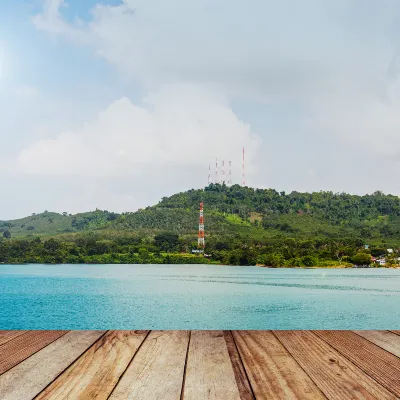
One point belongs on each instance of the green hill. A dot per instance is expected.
(243, 226)
(51, 224)
(267, 213)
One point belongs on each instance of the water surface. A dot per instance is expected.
(196, 297)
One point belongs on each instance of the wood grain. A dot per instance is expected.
(272, 371)
(209, 372)
(95, 374)
(23, 346)
(387, 340)
(381, 365)
(30, 377)
(241, 378)
(156, 371)
(6, 336)
(334, 374)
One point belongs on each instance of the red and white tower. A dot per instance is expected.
(200, 241)
(243, 174)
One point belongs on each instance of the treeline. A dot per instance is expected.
(170, 248)
(165, 248)
(335, 208)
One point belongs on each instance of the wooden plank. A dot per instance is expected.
(387, 340)
(209, 372)
(30, 377)
(156, 371)
(6, 336)
(381, 365)
(23, 346)
(272, 371)
(241, 378)
(335, 375)
(95, 374)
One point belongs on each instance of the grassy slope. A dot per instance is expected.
(51, 224)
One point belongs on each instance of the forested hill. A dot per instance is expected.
(267, 212)
(256, 213)
(334, 207)
(50, 223)
(243, 226)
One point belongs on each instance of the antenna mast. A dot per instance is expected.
(230, 173)
(216, 170)
(200, 241)
(209, 174)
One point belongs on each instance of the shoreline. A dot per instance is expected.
(215, 264)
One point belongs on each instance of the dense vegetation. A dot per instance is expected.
(244, 226)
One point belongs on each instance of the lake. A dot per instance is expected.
(196, 297)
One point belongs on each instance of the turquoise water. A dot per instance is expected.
(196, 297)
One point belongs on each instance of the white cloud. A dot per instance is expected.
(324, 55)
(267, 49)
(178, 126)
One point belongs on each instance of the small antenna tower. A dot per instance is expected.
(216, 170)
(230, 173)
(223, 172)
(243, 175)
(209, 174)
(200, 241)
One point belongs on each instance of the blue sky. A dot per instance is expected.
(115, 104)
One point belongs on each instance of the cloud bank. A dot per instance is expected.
(309, 88)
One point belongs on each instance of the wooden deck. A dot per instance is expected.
(197, 365)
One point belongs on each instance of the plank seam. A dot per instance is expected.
(184, 368)
(244, 368)
(9, 340)
(77, 358)
(37, 351)
(129, 364)
(395, 332)
(294, 358)
(357, 366)
(377, 344)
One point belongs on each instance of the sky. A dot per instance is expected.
(115, 104)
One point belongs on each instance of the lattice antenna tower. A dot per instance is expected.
(200, 241)
(216, 171)
(230, 173)
(223, 172)
(209, 174)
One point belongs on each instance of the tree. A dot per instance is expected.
(309, 261)
(7, 234)
(167, 241)
(64, 213)
(361, 259)
(52, 245)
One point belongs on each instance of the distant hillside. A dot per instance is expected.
(238, 211)
(267, 213)
(50, 223)
(244, 226)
